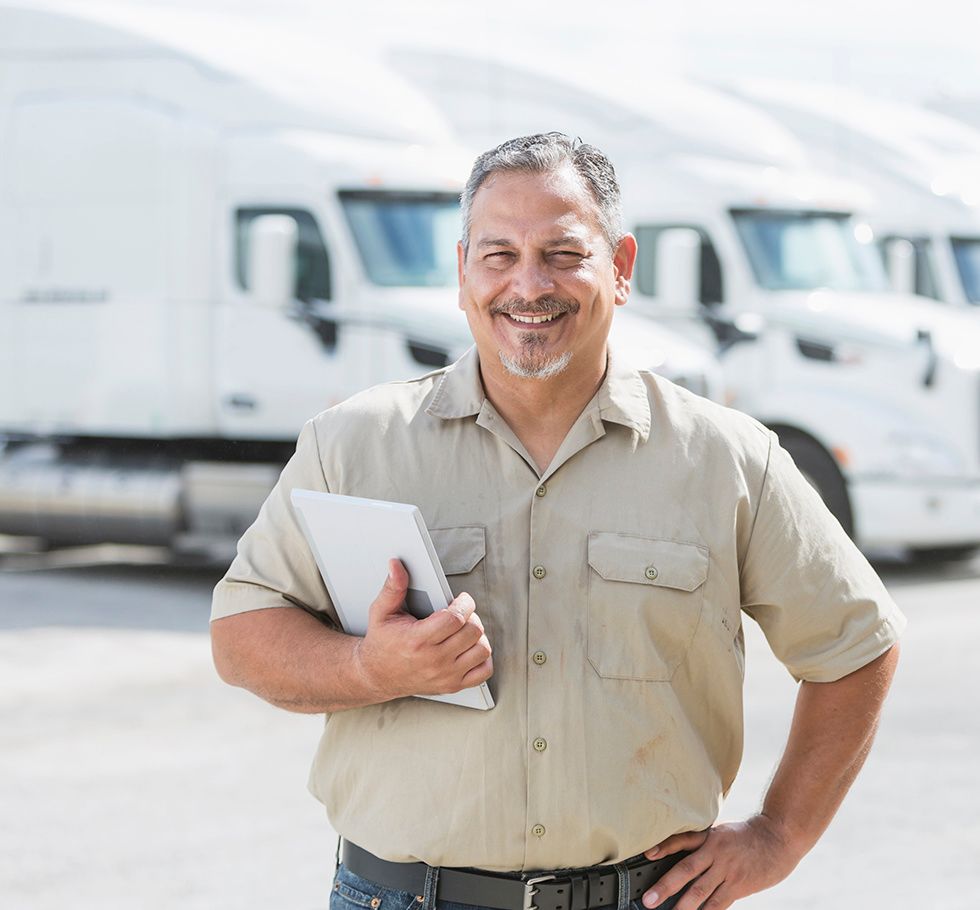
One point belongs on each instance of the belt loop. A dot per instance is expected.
(623, 894)
(336, 857)
(594, 894)
(429, 896)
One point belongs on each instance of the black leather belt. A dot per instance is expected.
(579, 889)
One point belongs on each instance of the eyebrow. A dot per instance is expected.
(566, 240)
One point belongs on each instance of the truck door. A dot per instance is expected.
(926, 284)
(711, 290)
(276, 367)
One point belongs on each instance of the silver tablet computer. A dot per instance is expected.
(352, 540)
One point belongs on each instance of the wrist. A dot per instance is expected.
(787, 837)
(369, 680)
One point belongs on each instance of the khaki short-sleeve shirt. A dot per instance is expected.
(612, 588)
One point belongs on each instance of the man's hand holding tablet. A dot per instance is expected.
(443, 653)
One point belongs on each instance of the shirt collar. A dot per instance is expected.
(622, 398)
(459, 391)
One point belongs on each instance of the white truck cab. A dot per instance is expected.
(876, 394)
(922, 169)
(199, 251)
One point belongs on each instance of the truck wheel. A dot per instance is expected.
(824, 476)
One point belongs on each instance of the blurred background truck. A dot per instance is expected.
(750, 244)
(208, 234)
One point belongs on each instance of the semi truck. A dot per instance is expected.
(756, 254)
(199, 250)
(876, 394)
(922, 169)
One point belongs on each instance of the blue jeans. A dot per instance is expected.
(351, 892)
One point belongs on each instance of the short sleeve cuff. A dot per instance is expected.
(836, 666)
(232, 597)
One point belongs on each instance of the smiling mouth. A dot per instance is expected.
(533, 320)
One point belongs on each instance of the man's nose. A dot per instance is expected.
(531, 279)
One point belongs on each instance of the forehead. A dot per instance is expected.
(519, 203)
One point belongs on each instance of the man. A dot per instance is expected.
(603, 531)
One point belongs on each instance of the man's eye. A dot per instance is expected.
(567, 256)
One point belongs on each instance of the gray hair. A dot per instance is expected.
(544, 153)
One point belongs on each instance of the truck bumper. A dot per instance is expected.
(904, 513)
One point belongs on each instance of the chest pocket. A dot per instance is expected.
(461, 552)
(645, 602)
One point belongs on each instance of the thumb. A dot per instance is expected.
(391, 598)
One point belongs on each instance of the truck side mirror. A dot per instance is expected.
(900, 265)
(679, 269)
(272, 248)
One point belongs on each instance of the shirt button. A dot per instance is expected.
(538, 572)
(539, 657)
(540, 744)
(651, 573)
(538, 830)
(540, 491)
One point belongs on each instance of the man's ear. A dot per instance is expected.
(460, 270)
(624, 259)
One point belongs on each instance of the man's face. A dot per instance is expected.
(539, 282)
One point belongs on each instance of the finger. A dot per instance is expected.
(463, 606)
(676, 878)
(474, 656)
(478, 674)
(391, 597)
(703, 888)
(723, 898)
(461, 640)
(443, 624)
(688, 840)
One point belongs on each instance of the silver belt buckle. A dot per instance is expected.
(530, 890)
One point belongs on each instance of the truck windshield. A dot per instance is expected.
(967, 253)
(807, 250)
(405, 239)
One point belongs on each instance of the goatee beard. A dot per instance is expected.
(531, 362)
(532, 366)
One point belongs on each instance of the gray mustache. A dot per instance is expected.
(543, 306)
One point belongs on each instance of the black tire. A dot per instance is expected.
(824, 476)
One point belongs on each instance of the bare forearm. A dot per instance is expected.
(833, 727)
(291, 660)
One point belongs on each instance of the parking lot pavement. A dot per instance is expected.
(130, 777)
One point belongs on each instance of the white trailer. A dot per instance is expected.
(876, 394)
(488, 101)
(201, 249)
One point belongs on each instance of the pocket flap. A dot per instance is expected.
(645, 560)
(459, 549)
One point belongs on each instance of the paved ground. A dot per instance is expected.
(130, 778)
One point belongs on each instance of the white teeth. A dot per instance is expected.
(534, 319)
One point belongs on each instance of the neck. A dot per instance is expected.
(541, 411)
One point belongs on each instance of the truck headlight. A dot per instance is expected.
(914, 455)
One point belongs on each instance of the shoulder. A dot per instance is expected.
(381, 407)
(704, 425)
